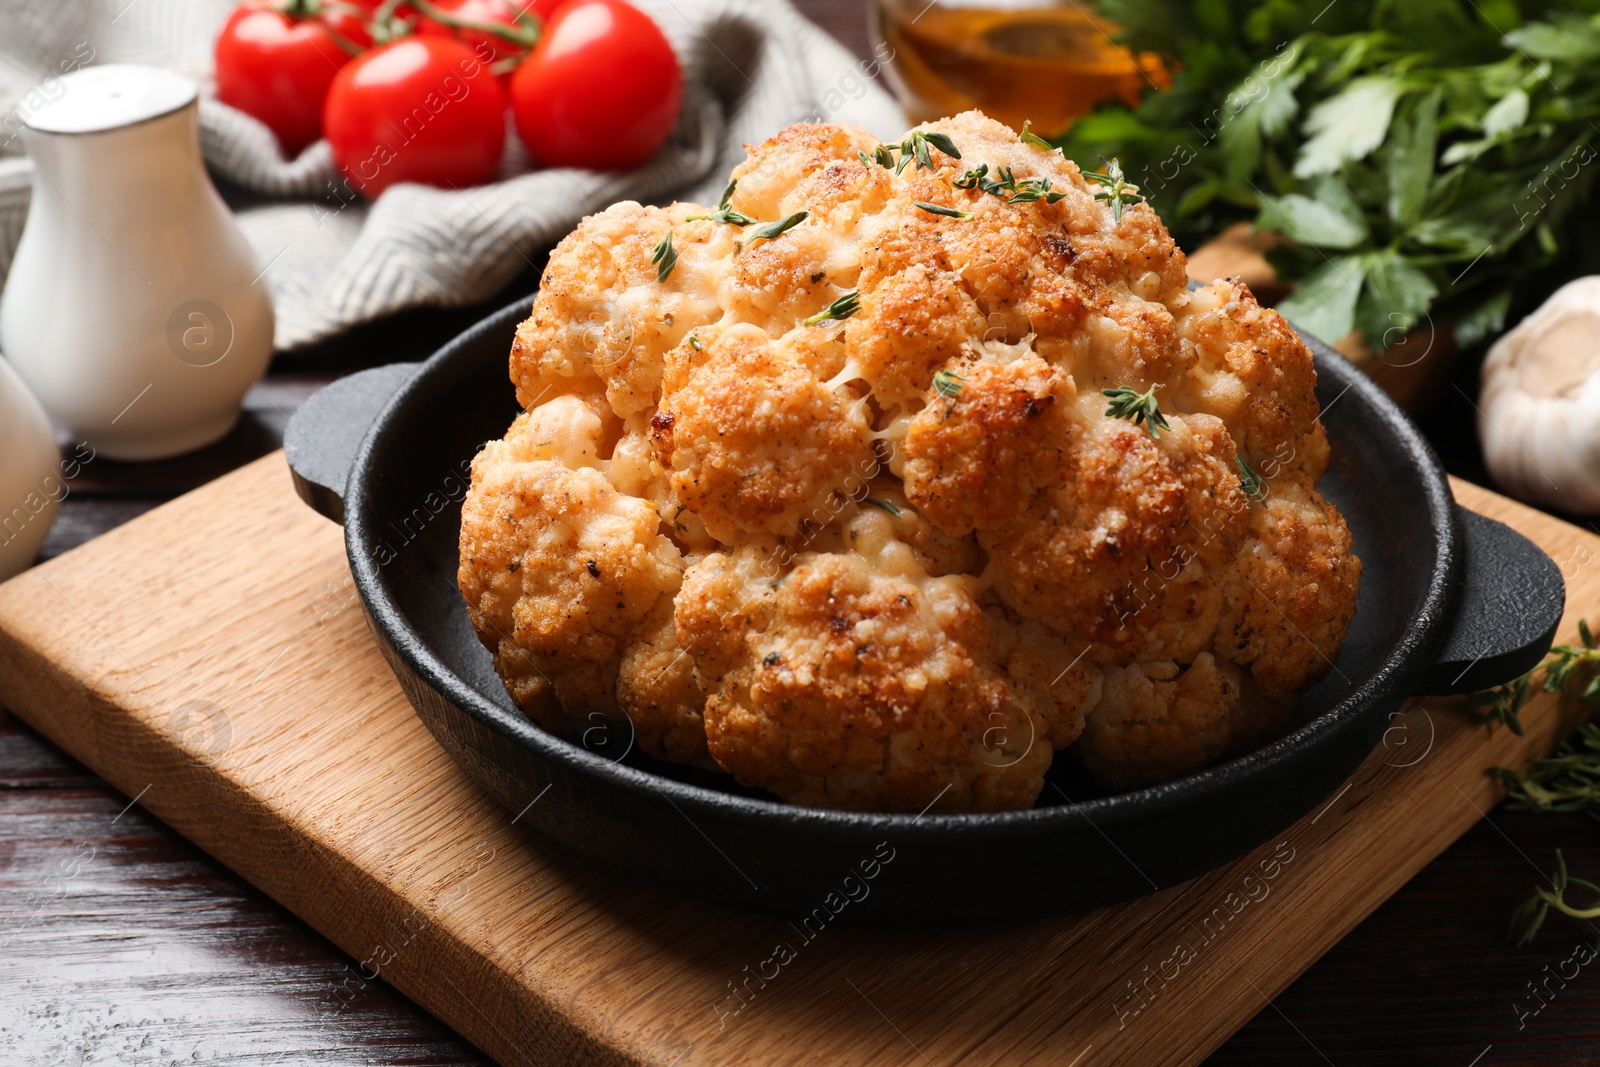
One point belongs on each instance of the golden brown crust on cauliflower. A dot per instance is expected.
(559, 569)
(980, 449)
(1125, 550)
(754, 441)
(1291, 591)
(657, 691)
(916, 553)
(859, 685)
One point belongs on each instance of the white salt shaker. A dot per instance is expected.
(31, 483)
(134, 308)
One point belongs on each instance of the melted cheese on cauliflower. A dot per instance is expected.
(839, 509)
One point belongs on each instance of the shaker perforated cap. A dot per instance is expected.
(108, 97)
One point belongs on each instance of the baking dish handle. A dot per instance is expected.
(324, 436)
(1505, 617)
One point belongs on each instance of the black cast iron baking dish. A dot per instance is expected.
(1450, 602)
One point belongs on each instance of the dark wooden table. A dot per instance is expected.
(120, 943)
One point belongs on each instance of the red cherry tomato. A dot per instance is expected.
(600, 90)
(422, 109)
(545, 9)
(488, 45)
(275, 62)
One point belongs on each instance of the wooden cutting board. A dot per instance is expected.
(210, 659)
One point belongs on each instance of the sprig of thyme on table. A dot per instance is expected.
(1504, 704)
(1567, 781)
(1530, 915)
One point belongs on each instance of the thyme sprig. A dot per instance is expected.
(1249, 480)
(770, 230)
(1007, 186)
(839, 310)
(724, 213)
(1114, 188)
(884, 504)
(1504, 704)
(914, 147)
(665, 257)
(940, 209)
(948, 383)
(1567, 781)
(1128, 403)
(1027, 136)
(1531, 913)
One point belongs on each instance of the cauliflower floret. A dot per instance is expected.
(559, 570)
(775, 180)
(753, 441)
(1157, 721)
(1057, 673)
(603, 310)
(656, 689)
(1291, 590)
(916, 551)
(987, 441)
(856, 681)
(936, 552)
(1255, 374)
(1126, 549)
(912, 324)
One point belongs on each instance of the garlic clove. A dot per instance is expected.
(1539, 405)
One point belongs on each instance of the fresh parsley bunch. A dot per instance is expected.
(1429, 160)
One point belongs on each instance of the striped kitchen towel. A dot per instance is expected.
(750, 68)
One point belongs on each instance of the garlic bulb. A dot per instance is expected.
(1539, 409)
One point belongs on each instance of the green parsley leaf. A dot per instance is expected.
(1324, 304)
(1311, 222)
(1348, 126)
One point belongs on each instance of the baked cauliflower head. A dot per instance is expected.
(898, 470)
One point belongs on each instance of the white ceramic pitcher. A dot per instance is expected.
(134, 307)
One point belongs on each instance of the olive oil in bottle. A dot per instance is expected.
(1049, 61)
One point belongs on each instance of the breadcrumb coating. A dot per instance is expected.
(836, 505)
(857, 681)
